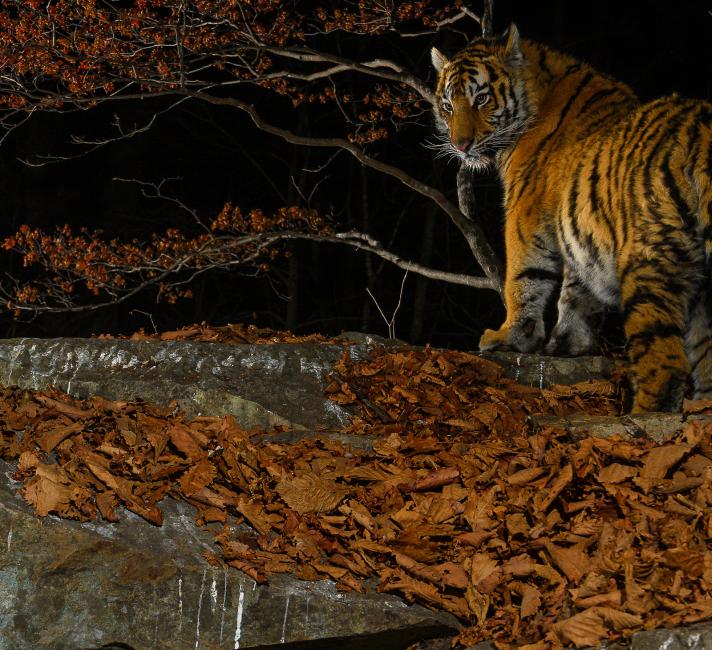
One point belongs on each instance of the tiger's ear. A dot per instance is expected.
(438, 58)
(512, 49)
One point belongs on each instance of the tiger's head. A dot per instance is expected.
(481, 104)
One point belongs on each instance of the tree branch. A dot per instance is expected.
(466, 202)
(216, 254)
(365, 243)
(464, 12)
(487, 19)
(374, 68)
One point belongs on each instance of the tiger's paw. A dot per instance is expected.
(494, 340)
(568, 342)
(527, 336)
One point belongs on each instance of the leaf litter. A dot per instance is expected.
(532, 537)
(235, 333)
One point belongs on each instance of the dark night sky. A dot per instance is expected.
(656, 47)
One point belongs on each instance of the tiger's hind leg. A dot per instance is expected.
(698, 339)
(655, 307)
(576, 329)
(698, 343)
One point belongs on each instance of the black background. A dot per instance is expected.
(214, 155)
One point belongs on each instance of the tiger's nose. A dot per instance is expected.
(463, 145)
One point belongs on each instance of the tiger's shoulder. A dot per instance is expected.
(579, 113)
(568, 94)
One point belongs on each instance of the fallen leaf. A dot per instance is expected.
(545, 498)
(436, 478)
(184, 441)
(197, 477)
(527, 475)
(616, 473)
(530, 598)
(51, 438)
(572, 561)
(660, 459)
(311, 493)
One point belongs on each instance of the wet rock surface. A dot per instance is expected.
(695, 637)
(70, 585)
(657, 426)
(261, 385)
(543, 371)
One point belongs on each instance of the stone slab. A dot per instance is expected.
(261, 385)
(657, 426)
(543, 371)
(694, 637)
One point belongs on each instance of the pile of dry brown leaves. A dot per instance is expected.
(528, 536)
(235, 333)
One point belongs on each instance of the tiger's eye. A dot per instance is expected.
(446, 106)
(481, 99)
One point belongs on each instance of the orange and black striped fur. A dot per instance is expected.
(605, 197)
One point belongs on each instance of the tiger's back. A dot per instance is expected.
(607, 198)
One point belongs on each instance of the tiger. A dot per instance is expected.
(607, 200)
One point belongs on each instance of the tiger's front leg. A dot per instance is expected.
(579, 315)
(533, 274)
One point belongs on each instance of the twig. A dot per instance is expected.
(383, 68)
(391, 324)
(486, 21)
(149, 315)
(464, 12)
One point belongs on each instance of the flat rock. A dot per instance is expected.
(657, 426)
(261, 385)
(694, 637)
(543, 371)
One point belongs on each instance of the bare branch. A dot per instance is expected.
(390, 323)
(365, 243)
(445, 22)
(376, 67)
(155, 191)
(487, 17)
